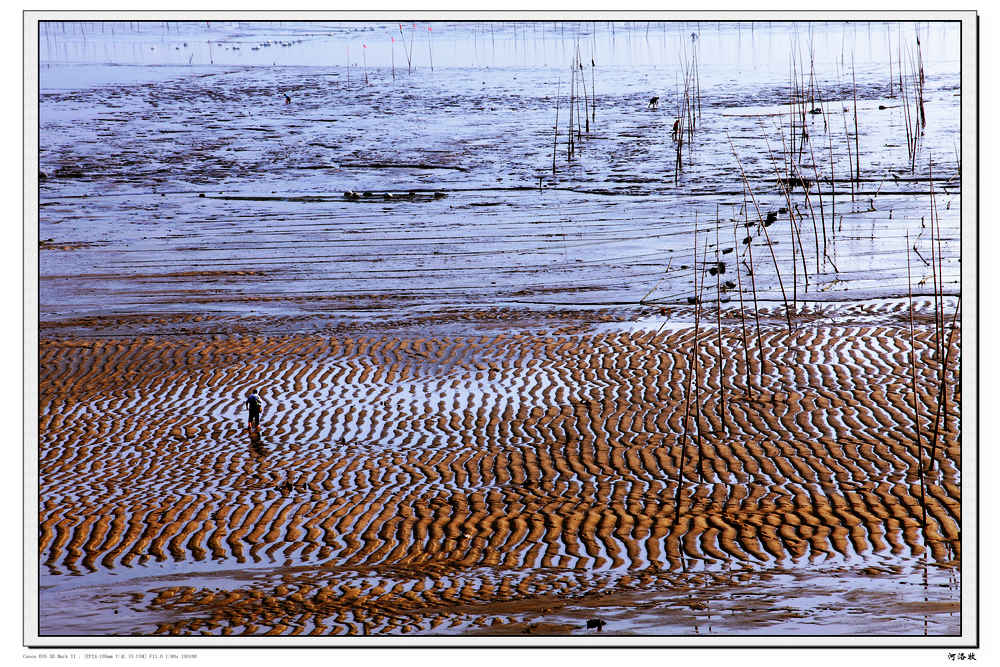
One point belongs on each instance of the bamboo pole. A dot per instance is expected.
(700, 286)
(857, 146)
(940, 412)
(555, 133)
(746, 183)
(743, 323)
(718, 326)
(913, 385)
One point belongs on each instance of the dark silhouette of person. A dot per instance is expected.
(254, 408)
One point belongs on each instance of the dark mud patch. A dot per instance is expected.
(52, 244)
(399, 165)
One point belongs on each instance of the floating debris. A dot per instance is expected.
(412, 195)
(795, 182)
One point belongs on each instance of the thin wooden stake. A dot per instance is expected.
(699, 286)
(746, 183)
(555, 133)
(743, 323)
(718, 326)
(940, 411)
(913, 384)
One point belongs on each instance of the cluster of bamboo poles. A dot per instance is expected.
(944, 333)
(914, 120)
(688, 106)
(941, 347)
(407, 47)
(802, 101)
(579, 119)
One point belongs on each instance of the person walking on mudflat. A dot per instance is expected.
(254, 407)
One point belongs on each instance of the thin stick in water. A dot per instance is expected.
(913, 385)
(718, 326)
(555, 132)
(743, 323)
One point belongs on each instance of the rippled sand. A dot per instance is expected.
(470, 484)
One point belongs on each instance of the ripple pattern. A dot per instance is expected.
(428, 475)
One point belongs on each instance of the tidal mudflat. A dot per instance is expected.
(536, 349)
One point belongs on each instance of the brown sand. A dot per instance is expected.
(431, 476)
